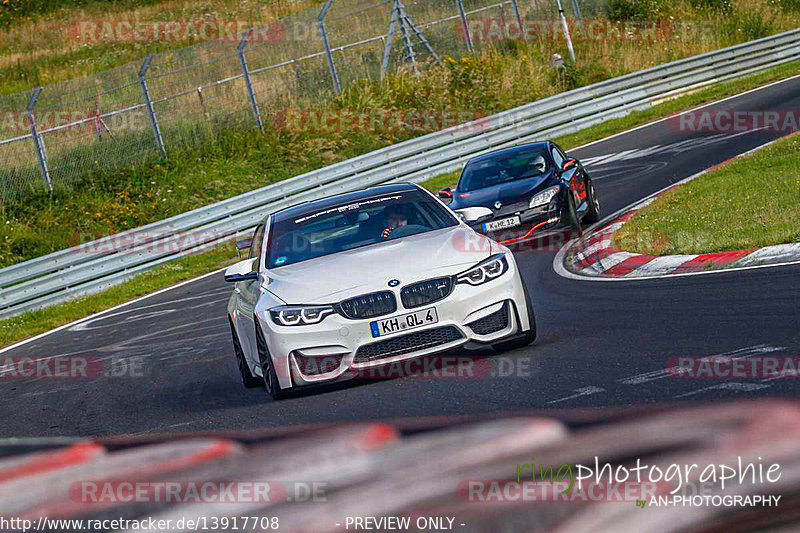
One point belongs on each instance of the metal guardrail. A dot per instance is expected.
(94, 266)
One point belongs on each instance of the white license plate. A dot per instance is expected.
(503, 223)
(387, 326)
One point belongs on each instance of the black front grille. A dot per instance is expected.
(368, 305)
(412, 342)
(493, 323)
(315, 366)
(426, 292)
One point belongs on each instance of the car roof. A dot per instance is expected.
(511, 150)
(313, 206)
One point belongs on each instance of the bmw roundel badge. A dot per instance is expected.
(394, 282)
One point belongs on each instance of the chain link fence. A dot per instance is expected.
(57, 134)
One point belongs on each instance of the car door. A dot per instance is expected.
(575, 178)
(248, 293)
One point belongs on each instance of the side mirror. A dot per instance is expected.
(568, 165)
(445, 194)
(241, 271)
(471, 215)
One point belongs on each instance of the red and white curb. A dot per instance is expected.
(593, 256)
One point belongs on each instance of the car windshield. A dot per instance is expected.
(504, 167)
(299, 236)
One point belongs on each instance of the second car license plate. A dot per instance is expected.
(394, 324)
(503, 223)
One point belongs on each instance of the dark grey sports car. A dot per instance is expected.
(528, 189)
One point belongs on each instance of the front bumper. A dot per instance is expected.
(532, 222)
(339, 349)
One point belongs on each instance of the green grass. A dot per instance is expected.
(751, 202)
(33, 323)
(36, 47)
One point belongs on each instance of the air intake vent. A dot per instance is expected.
(406, 344)
(493, 323)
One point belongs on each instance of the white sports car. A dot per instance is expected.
(351, 282)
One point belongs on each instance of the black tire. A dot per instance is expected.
(593, 212)
(569, 215)
(270, 378)
(248, 379)
(527, 337)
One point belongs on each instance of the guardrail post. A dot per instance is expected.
(328, 54)
(38, 140)
(465, 24)
(246, 71)
(566, 30)
(149, 103)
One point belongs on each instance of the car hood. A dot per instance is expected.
(339, 276)
(506, 193)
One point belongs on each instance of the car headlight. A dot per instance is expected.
(300, 315)
(544, 197)
(492, 268)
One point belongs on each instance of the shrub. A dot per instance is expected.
(723, 6)
(747, 25)
(636, 9)
(790, 5)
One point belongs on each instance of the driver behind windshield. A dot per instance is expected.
(488, 172)
(395, 217)
(538, 165)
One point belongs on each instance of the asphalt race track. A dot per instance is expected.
(600, 344)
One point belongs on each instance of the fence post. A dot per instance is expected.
(578, 15)
(149, 103)
(331, 65)
(38, 140)
(566, 30)
(387, 48)
(465, 24)
(246, 71)
(518, 16)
